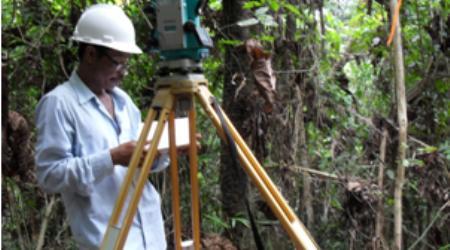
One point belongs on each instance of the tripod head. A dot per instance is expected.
(183, 78)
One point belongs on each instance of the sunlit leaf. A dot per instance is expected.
(248, 22)
(252, 4)
(261, 11)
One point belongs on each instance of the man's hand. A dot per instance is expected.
(121, 155)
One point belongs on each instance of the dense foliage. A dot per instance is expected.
(322, 143)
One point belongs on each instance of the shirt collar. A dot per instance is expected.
(84, 94)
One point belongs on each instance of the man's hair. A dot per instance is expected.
(82, 48)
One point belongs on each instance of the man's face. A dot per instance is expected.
(111, 67)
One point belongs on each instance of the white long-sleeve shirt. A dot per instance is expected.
(74, 136)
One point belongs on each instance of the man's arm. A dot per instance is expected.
(58, 169)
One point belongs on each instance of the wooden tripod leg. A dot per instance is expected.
(295, 229)
(193, 163)
(175, 183)
(115, 236)
(143, 178)
(112, 230)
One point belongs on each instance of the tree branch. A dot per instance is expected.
(315, 172)
(48, 211)
(447, 204)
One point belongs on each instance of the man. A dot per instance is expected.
(86, 133)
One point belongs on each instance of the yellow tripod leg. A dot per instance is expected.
(143, 178)
(295, 229)
(175, 183)
(115, 236)
(294, 226)
(193, 163)
(113, 229)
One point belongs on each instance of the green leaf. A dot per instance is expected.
(442, 86)
(217, 221)
(243, 221)
(267, 38)
(291, 8)
(248, 22)
(274, 5)
(267, 20)
(336, 204)
(416, 162)
(428, 149)
(405, 162)
(446, 247)
(215, 4)
(390, 174)
(252, 4)
(445, 149)
(390, 202)
(261, 11)
(229, 42)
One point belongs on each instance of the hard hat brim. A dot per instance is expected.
(122, 47)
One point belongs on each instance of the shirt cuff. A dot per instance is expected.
(102, 164)
(161, 164)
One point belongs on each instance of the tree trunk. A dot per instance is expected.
(402, 123)
(289, 134)
(284, 131)
(5, 115)
(233, 178)
(303, 154)
(379, 238)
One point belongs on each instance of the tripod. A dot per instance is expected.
(180, 90)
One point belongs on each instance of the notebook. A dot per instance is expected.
(181, 134)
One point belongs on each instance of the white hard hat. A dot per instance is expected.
(106, 25)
